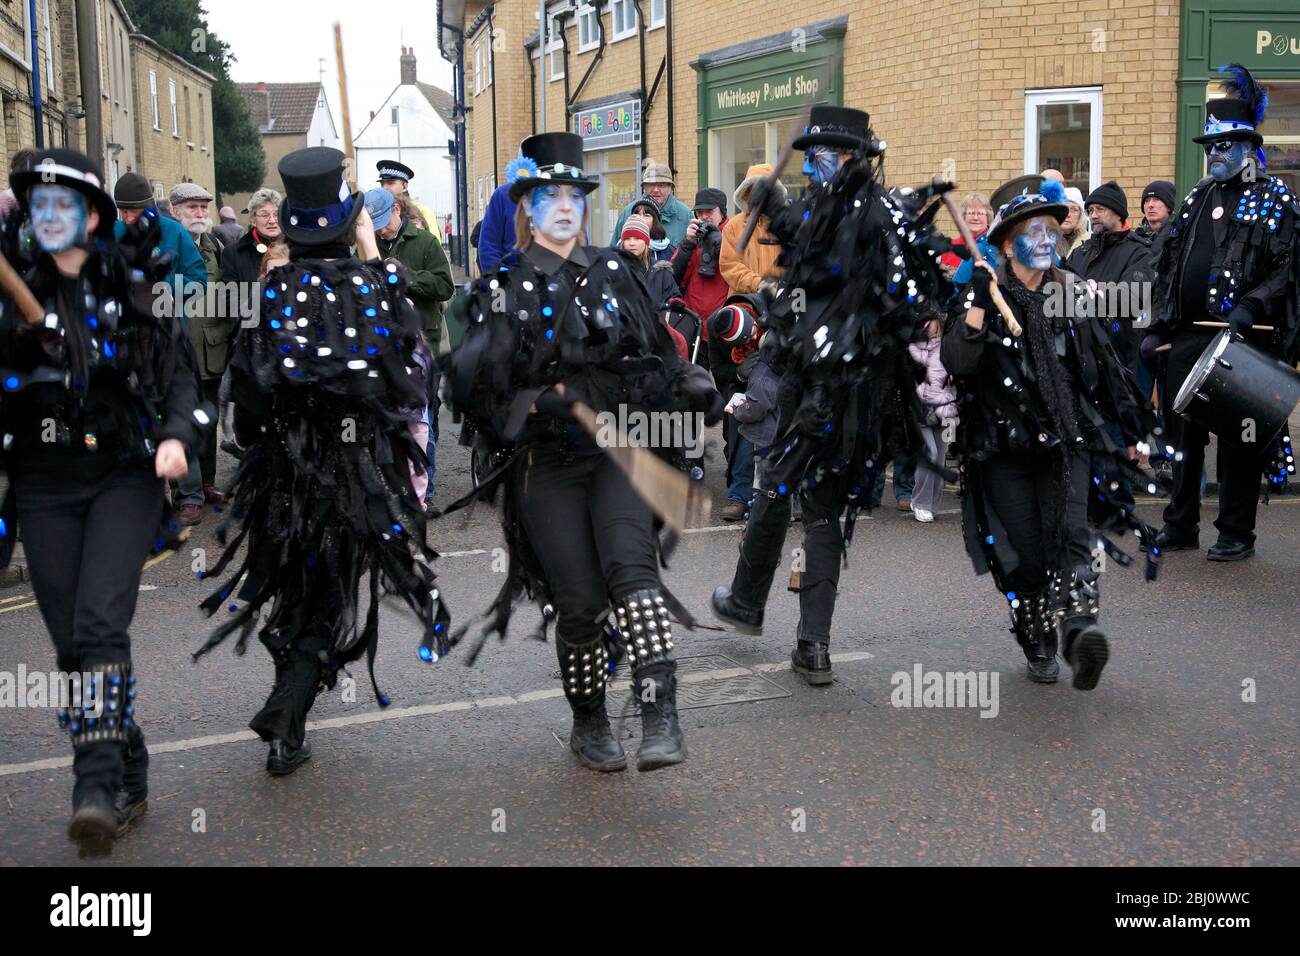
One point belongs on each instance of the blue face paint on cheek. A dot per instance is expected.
(59, 217)
(1224, 166)
(820, 164)
(557, 215)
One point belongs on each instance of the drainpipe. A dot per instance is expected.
(88, 66)
(668, 56)
(492, 72)
(561, 22)
(645, 103)
(600, 54)
(38, 111)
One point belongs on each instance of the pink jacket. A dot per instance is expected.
(937, 391)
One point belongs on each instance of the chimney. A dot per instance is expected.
(408, 66)
(259, 107)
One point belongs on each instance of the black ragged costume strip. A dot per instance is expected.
(324, 496)
(862, 271)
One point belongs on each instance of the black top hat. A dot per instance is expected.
(392, 169)
(67, 167)
(318, 207)
(1048, 200)
(1022, 185)
(1235, 116)
(548, 159)
(836, 126)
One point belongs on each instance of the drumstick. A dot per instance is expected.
(1224, 325)
(994, 292)
(13, 284)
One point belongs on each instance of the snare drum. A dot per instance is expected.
(1233, 384)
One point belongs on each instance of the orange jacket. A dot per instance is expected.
(743, 271)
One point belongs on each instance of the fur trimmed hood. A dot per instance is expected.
(753, 175)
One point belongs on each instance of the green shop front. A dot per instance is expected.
(1263, 36)
(753, 98)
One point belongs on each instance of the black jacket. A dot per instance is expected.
(1257, 249)
(240, 261)
(1115, 258)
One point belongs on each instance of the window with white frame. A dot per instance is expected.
(1063, 131)
(622, 19)
(478, 68)
(171, 92)
(153, 96)
(658, 13)
(555, 48)
(588, 28)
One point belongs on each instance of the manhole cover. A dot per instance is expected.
(709, 680)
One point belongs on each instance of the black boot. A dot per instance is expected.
(730, 611)
(811, 660)
(282, 721)
(283, 758)
(643, 619)
(99, 723)
(584, 669)
(1085, 647)
(741, 605)
(1034, 627)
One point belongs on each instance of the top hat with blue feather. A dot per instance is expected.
(1237, 115)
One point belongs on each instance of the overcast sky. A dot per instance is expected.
(283, 42)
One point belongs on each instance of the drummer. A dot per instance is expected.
(1230, 258)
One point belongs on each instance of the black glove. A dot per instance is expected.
(1241, 319)
(550, 402)
(1150, 343)
(697, 388)
(764, 199)
(981, 283)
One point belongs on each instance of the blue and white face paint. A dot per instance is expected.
(1227, 158)
(557, 211)
(59, 217)
(820, 164)
(1035, 244)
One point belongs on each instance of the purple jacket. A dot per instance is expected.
(937, 391)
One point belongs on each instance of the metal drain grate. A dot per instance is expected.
(709, 680)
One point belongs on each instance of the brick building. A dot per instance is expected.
(173, 128)
(288, 116)
(1098, 88)
(135, 129)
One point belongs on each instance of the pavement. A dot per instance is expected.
(1185, 753)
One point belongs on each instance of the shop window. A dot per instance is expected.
(1063, 131)
(1280, 129)
(623, 17)
(733, 149)
(588, 29)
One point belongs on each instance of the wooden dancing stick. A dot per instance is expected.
(994, 292)
(13, 283)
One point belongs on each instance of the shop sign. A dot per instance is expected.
(606, 127)
(784, 91)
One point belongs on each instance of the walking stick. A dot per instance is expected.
(13, 283)
(994, 292)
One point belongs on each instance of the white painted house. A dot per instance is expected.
(413, 127)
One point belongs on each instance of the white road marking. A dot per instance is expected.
(421, 710)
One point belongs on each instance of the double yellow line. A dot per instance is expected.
(11, 603)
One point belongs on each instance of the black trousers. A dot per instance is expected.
(823, 550)
(87, 529)
(1239, 471)
(1022, 490)
(591, 532)
(208, 440)
(298, 672)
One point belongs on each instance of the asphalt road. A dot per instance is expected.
(1164, 763)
